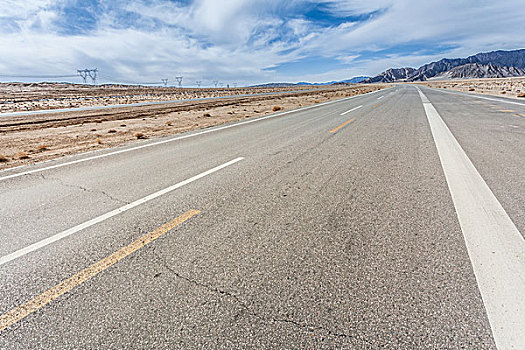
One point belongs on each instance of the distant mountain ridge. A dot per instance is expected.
(482, 65)
(354, 80)
(477, 70)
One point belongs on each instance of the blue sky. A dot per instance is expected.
(247, 42)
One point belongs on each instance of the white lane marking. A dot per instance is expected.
(380, 97)
(351, 110)
(35, 246)
(480, 97)
(176, 138)
(495, 246)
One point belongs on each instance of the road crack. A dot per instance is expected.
(223, 293)
(84, 189)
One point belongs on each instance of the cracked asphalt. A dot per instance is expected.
(315, 240)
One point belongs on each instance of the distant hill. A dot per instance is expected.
(482, 65)
(354, 80)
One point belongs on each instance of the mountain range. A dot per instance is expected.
(354, 80)
(495, 64)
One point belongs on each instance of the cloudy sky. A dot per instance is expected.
(246, 41)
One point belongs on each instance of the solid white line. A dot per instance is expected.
(495, 246)
(380, 97)
(7, 258)
(353, 109)
(176, 138)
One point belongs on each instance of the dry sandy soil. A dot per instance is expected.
(16, 97)
(30, 139)
(508, 87)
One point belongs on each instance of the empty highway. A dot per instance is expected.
(392, 220)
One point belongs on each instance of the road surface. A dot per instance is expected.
(388, 220)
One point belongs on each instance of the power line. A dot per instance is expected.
(36, 76)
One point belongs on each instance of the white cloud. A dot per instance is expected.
(235, 40)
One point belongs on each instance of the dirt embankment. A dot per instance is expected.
(34, 138)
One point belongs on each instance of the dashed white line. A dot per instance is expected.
(495, 246)
(380, 97)
(351, 110)
(35, 246)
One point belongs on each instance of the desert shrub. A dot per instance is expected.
(99, 141)
(471, 89)
(140, 135)
(276, 108)
(521, 95)
(206, 115)
(42, 148)
(112, 131)
(3, 159)
(22, 155)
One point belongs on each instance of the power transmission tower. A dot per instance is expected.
(165, 82)
(215, 82)
(83, 73)
(93, 75)
(198, 82)
(179, 81)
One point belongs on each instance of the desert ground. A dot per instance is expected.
(16, 97)
(26, 139)
(508, 87)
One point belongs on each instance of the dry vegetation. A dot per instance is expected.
(80, 131)
(20, 97)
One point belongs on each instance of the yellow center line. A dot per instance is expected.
(342, 125)
(19, 312)
(377, 104)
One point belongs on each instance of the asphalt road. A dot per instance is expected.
(346, 225)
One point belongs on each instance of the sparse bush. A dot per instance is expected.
(93, 130)
(521, 95)
(471, 89)
(503, 92)
(123, 125)
(112, 131)
(206, 115)
(140, 135)
(169, 123)
(99, 141)
(276, 108)
(22, 155)
(42, 148)
(98, 121)
(3, 159)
